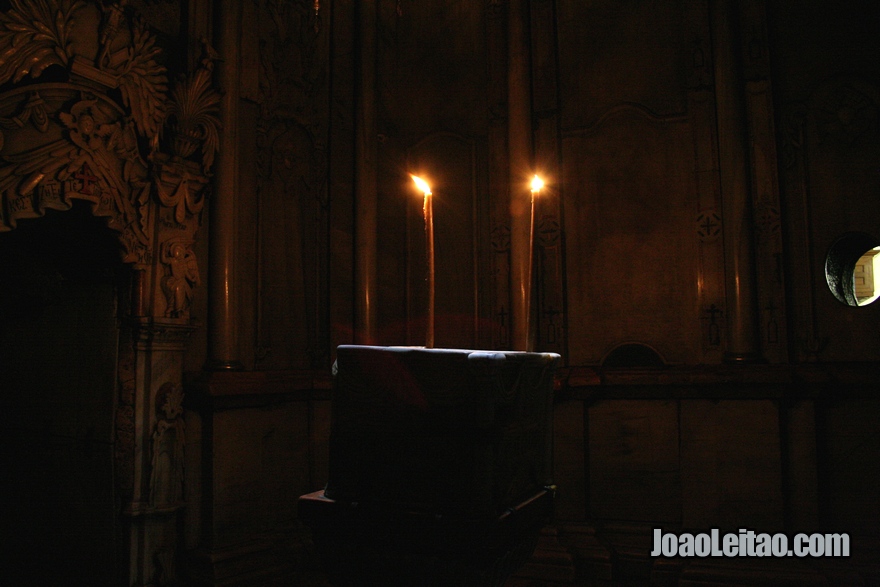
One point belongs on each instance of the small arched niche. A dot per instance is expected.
(633, 355)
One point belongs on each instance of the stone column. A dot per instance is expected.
(366, 195)
(519, 134)
(733, 152)
(222, 301)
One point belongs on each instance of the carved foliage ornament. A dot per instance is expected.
(193, 115)
(35, 34)
(98, 134)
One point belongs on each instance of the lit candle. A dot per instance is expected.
(537, 185)
(428, 213)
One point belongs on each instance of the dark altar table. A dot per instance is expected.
(440, 465)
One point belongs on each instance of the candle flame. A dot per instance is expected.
(537, 184)
(422, 185)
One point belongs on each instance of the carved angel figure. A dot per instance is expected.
(85, 131)
(183, 278)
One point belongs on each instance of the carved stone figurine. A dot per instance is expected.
(183, 278)
(166, 479)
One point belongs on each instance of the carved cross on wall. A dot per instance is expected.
(87, 179)
(503, 316)
(551, 314)
(714, 313)
(708, 225)
(502, 327)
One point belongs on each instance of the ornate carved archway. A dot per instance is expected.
(86, 113)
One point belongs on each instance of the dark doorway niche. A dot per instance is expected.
(60, 280)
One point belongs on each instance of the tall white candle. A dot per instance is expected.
(537, 185)
(428, 213)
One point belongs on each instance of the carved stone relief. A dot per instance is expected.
(96, 135)
(708, 225)
(809, 344)
(166, 477)
(846, 114)
(164, 16)
(291, 138)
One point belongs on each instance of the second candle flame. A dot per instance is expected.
(537, 184)
(422, 185)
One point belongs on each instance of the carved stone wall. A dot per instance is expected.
(638, 220)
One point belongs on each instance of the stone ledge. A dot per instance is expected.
(234, 389)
